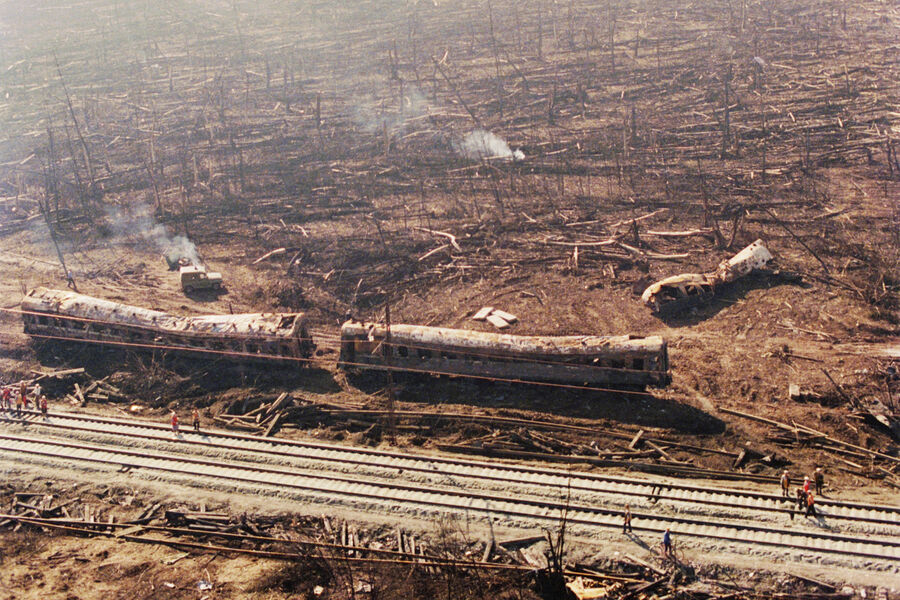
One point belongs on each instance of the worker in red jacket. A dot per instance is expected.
(174, 424)
(810, 505)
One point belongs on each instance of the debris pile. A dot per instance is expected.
(264, 419)
(854, 459)
(99, 390)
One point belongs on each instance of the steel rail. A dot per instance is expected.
(457, 500)
(569, 481)
(568, 478)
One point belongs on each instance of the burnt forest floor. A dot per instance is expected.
(353, 137)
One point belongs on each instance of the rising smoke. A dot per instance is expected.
(484, 144)
(139, 221)
(374, 117)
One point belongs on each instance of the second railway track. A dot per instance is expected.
(438, 470)
(447, 484)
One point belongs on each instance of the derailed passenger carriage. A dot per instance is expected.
(64, 315)
(615, 361)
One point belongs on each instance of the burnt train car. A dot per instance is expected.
(617, 361)
(65, 315)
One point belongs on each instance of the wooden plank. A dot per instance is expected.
(497, 322)
(636, 440)
(60, 373)
(644, 563)
(508, 317)
(129, 530)
(524, 541)
(277, 405)
(483, 313)
(273, 426)
(488, 546)
(663, 452)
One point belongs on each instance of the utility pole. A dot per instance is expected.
(388, 350)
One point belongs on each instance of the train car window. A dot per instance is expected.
(403, 351)
(617, 364)
(42, 320)
(424, 353)
(447, 355)
(637, 364)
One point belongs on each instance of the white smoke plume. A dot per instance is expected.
(374, 116)
(484, 144)
(139, 220)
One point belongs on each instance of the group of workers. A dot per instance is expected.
(195, 421)
(804, 497)
(22, 398)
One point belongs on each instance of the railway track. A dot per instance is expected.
(391, 495)
(460, 495)
(608, 489)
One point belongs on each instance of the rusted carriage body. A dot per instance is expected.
(64, 315)
(618, 361)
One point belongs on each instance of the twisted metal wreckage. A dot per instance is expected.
(687, 289)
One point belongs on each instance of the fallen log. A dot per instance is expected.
(688, 233)
(274, 252)
(273, 426)
(449, 236)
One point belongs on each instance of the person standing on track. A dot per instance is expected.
(786, 485)
(44, 406)
(19, 401)
(667, 543)
(195, 419)
(819, 477)
(801, 499)
(806, 483)
(6, 398)
(23, 397)
(626, 522)
(810, 505)
(174, 424)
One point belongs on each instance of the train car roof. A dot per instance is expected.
(504, 343)
(96, 309)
